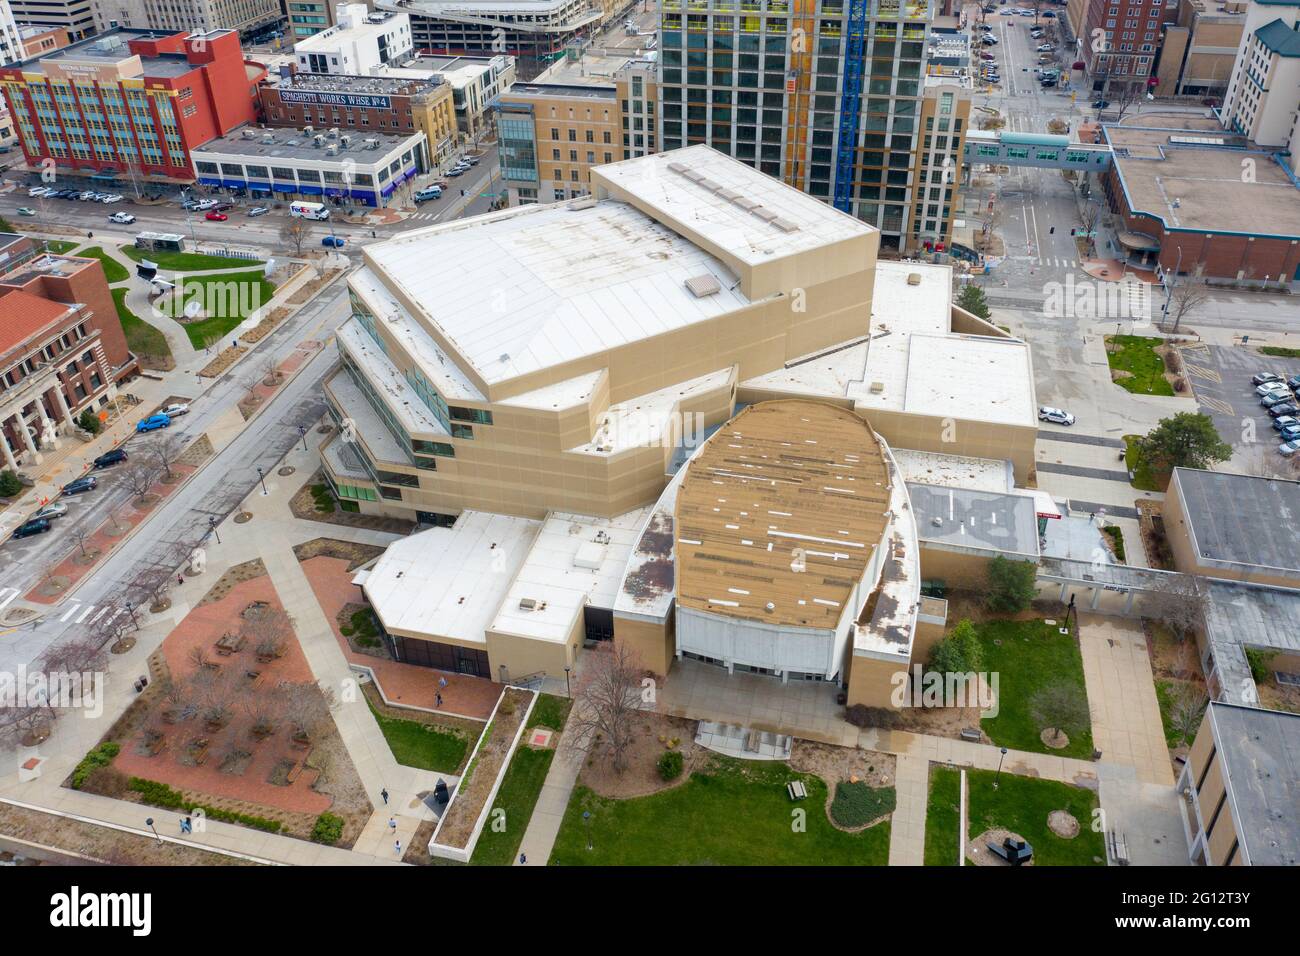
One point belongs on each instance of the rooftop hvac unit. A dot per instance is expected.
(331, 150)
(268, 138)
(309, 130)
(248, 133)
(318, 141)
(372, 144)
(345, 141)
(334, 132)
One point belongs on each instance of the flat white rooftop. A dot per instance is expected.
(534, 287)
(954, 471)
(693, 186)
(911, 361)
(449, 582)
(575, 560)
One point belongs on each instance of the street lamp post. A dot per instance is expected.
(997, 775)
(130, 609)
(586, 819)
(567, 691)
(261, 476)
(149, 823)
(302, 433)
(212, 528)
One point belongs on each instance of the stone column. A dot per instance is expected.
(8, 452)
(47, 427)
(62, 403)
(27, 440)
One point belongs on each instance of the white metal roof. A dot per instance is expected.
(526, 290)
(566, 569)
(448, 582)
(672, 182)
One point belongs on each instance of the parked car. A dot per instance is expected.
(35, 526)
(1290, 434)
(470, 160)
(258, 211)
(51, 511)
(455, 171)
(333, 242)
(1048, 82)
(987, 56)
(1284, 421)
(152, 423)
(81, 485)
(427, 193)
(26, 211)
(174, 409)
(1045, 48)
(1050, 14)
(110, 458)
(1100, 104)
(1275, 398)
(1293, 383)
(1260, 378)
(1057, 416)
(1267, 387)
(1286, 450)
(112, 198)
(223, 206)
(123, 218)
(37, 191)
(989, 39)
(204, 204)
(1282, 411)
(985, 27)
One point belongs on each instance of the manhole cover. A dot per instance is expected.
(286, 471)
(243, 517)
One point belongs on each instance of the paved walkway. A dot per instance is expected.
(544, 826)
(907, 827)
(1126, 725)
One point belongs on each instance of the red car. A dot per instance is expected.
(216, 217)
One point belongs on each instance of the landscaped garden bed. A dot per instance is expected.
(463, 819)
(314, 502)
(420, 739)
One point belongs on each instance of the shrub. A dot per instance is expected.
(670, 764)
(328, 829)
(958, 653)
(88, 421)
(100, 756)
(1261, 663)
(9, 484)
(160, 795)
(857, 804)
(860, 715)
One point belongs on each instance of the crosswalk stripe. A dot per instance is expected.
(1217, 405)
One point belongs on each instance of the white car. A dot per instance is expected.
(111, 199)
(1287, 449)
(1267, 387)
(1045, 48)
(122, 218)
(40, 191)
(177, 408)
(1057, 416)
(203, 205)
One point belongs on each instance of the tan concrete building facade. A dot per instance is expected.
(1198, 50)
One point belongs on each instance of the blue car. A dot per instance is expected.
(81, 485)
(333, 242)
(152, 422)
(1290, 432)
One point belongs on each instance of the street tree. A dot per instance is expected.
(294, 233)
(972, 299)
(1179, 601)
(1185, 296)
(163, 450)
(607, 700)
(140, 476)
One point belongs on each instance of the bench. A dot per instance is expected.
(971, 734)
(796, 790)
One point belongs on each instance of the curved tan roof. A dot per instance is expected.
(784, 505)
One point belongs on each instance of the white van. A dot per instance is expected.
(309, 210)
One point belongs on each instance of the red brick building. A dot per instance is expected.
(62, 348)
(131, 101)
(1120, 41)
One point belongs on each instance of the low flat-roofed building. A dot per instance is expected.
(1241, 788)
(1235, 527)
(1242, 618)
(366, 167)
(961, 530)
(1196, 198)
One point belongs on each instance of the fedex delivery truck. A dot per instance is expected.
(309, 210)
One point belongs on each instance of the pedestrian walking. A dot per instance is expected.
(523, 858)
(392, 824)
(442, 682)
(384, 793)
(397, 846)
(1092, 517)
(180, 579)
(438, 699)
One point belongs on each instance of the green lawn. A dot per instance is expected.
(114, 271)
(1137, 355)
(1144, 478)
(1278, 351)
(60, 247)
(187, 261)
(1031, 655)
(228, 299)
(141, 337)
(521, 788)
(1021, 805)
(735, 814)
(421, 746)
(942, 817)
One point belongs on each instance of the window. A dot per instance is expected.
(480, 416)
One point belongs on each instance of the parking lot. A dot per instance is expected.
(1220, 376)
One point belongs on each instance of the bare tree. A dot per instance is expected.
(270, 370)
(26, 724)
(164, 449)
(216, 692)
(140, 476)
(1061, 707)
(1186, 709)
(80, 535)
(306, 707)
(294, 233)
(268, 629)
(1185, 297)
(150, 586)
(607, 700)
(1089, 216)
(267, 711)
(1177, 600)
(76, 656)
